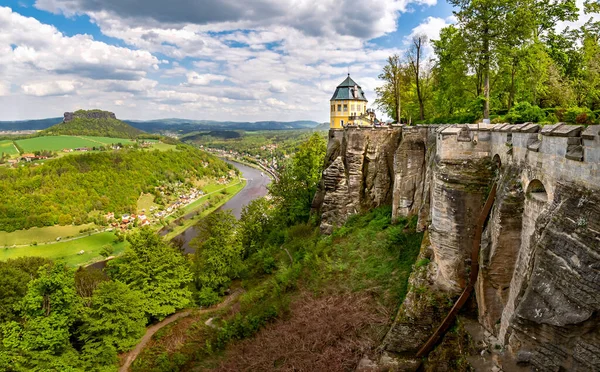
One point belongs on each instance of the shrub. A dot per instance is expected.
(107, 250)
(207, 297)
(524, 112)
(579, 115)
(552, 119)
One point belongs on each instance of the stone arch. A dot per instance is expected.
(537, 190)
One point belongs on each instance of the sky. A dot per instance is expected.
(235, 60)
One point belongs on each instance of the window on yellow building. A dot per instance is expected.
(352, 108)
(339, 108)
(332, 108)
(345, 108)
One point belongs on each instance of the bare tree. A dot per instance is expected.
(414, 56)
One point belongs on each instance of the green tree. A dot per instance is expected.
(107, 250)
(156, 270)
(13, 286)
(389, 95)
(254, 225)
(483, 24)
(87, 279)
(298, 181)
(218, 257)
(49, 309)
(453, 85)
(116, 317)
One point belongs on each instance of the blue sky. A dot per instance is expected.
(207, 59)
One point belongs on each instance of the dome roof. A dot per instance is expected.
(348, 90)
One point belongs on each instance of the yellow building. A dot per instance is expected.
(348, 105)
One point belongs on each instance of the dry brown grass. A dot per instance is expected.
(325, 333)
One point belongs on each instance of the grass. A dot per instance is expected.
(68, 251)
(8, 148)
(162, 146)
(107, 140)
(58, 143)
(54, 143)
(144, 202)
(40, 234)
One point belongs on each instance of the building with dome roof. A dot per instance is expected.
(348, 106)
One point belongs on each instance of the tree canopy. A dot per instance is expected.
(499, 57)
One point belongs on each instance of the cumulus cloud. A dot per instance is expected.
(50, 88)
(29, 42)
(195, 78)
(364, 19)
(431, 27)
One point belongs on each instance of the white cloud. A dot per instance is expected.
(365, 19)
(31, 43)
(431, 27)
(50, 88)
(4, 89)
(195, 78)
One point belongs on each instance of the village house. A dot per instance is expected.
(28, 157)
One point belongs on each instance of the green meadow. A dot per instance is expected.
(41, 234)
(58, 143)
(69, 251)
(8, 148)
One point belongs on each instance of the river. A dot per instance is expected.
(256, 187)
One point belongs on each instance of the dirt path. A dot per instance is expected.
(150, 331)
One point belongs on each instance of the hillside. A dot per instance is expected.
(93, 123)
(67, 190)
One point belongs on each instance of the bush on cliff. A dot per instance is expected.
(524, 112)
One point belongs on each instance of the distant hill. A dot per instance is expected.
(28, 124)
(187, 126)
(322, 126)
(93, 123)
(181, 126)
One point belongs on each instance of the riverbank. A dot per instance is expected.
(193, 215)
(256, 187)
(85, 250)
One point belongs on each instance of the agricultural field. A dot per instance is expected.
(58, 143)
(54, 143)
(41, 234)
(103, 141)
(68, 251)
(8, 148)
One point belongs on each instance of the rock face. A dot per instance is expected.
(538, 287)
(371, 161)
(91, 114)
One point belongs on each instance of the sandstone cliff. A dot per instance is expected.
(537, 293)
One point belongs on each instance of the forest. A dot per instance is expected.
(503, 60)
(65, 190)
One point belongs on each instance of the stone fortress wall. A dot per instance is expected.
(538, 289)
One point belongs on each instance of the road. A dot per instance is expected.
(256, 187)
(150, 331)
